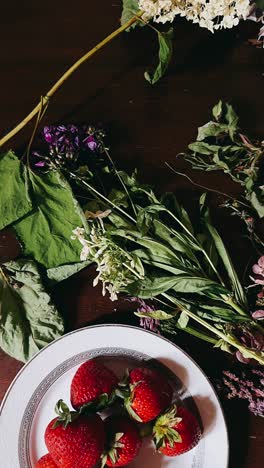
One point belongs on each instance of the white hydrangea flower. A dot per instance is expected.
(210, 14)
(116, 267)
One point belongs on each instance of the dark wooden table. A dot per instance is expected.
(148, 125)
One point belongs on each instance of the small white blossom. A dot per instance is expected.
(116, 267)
(210, 14)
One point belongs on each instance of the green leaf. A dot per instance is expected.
(46, 231)
(223, 254)
(146, 216)
(165, 54)
(223, 345)
(118, 197)
(211, 129)
(167, 264)
(232, 120)
(155, 314)
(194, 284)
(183, 320)
(217, 110)
(257, 204)
(130, 8)
(203, 148)
(15, 201)
(28, 319)
(57, 274)
(151, 287)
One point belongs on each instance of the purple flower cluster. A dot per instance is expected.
(246, 385)
(249, 340)
(258, 279)
(66, 142)
(148, 323)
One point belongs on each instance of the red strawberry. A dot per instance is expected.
(124, 441)
(150, 394)
(176, 432)
(46, 462)
(92, 383)
(73, 440)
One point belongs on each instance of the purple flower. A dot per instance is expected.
(148, 323)
(91, 143)
(249, 340)
(66, 142)
(40, 164)
(258, 314)
(258, 269)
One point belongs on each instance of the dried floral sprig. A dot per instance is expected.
(246, 384)
(221, 145)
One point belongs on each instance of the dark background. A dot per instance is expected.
(147, 126)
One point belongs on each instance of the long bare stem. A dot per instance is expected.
(67, 74)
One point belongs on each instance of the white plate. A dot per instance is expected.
(29, 403)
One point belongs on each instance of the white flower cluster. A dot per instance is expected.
(116, 268)
(210, 14)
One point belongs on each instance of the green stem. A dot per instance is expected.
(199, 245)
(235, 306)
(258, 356)
(100, 195)
(120, 180)
(67, 74)
(198, 334)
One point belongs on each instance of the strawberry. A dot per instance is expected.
(176, 432)
(149, 393)
(92, 384)
(124, 441)
(75, 440)
(46, 462)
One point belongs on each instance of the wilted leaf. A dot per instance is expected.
(155, 314)
(165, 54)
(217, 110)
(28, 318)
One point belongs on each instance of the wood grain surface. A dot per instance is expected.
(147, 126)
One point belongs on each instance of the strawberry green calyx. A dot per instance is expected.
(163, 430)
(65, 416)
(125, 391)
(101, 403)
(112, 450)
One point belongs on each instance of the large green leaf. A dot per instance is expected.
(15, 201)
(130, 8)
(165, 54)
(46, 231)
(146, 256)
(195, 284)
(151, 287)
(57, 274)
(28, 318)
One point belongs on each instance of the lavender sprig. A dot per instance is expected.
(246, 385)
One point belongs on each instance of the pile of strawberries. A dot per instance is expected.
(141, 406)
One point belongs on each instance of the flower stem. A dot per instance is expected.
(253, 354)
(66, 75)
(198, 334)
(100, 195)
(235, 306)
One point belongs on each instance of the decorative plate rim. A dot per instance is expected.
(139, 330)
